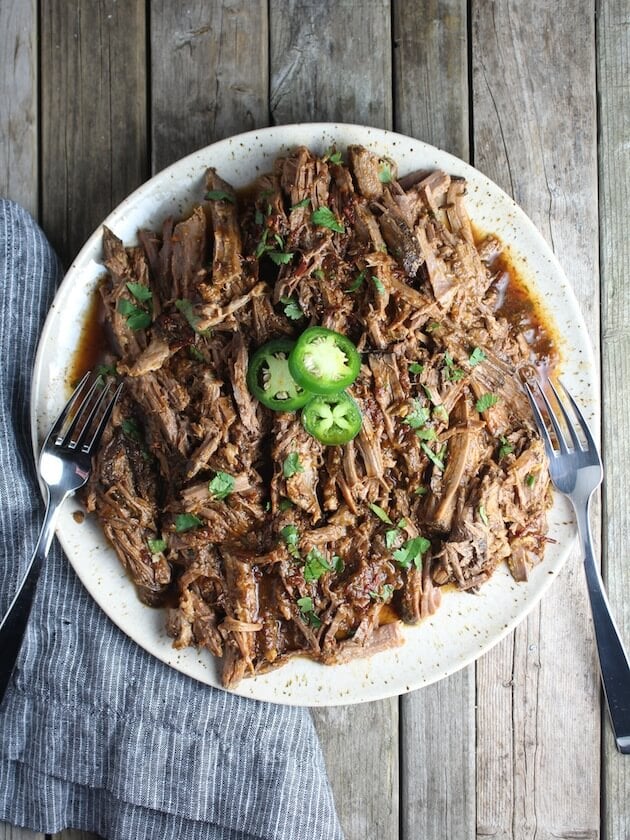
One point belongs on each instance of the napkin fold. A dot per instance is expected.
(95, 733)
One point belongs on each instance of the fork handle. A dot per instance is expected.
(613, 659)
(13, 625)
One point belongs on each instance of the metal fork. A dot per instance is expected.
(576, 470)
(65, 463)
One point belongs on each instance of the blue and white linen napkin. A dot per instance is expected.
(95, 733)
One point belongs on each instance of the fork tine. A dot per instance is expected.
(79, 417)
(542, 426)
(568, 419)
(58, 425)
(88, 448)
(554, 422)
(86, 414)
(591, 445)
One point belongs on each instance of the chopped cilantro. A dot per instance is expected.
(333, 157)
(186, 522)
(338, 564)
(140, 292)
(453, 373)
(132, 430)
(137, 317)
(485, 402)
(426, 434)
(382, 515)
(380, 288)
(291, 536)
(156, 546)
(440, 413)
(319, 273)
(196, 354)
(280, 257)
(439, 463)
(185, 306)
(385, 172)
(357, 282)
(411, 552)
(292, 308)
(418, 416)
(506, 447)
(285, 504)
(530, 480)
(315, 565)
(292, 465)
(391, 536)
(304, 203)
(416, 367)
(221, 485)
(421, 491)
(324, 217)
(308, 611)
(477, 355)
(433, 326)
(220, 195)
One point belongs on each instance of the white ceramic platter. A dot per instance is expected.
(466, 625)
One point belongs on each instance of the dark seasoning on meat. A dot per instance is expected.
(446, 479)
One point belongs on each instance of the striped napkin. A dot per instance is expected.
(96, 734)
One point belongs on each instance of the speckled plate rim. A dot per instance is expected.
(466, 626)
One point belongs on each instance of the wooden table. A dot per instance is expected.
(97, 95)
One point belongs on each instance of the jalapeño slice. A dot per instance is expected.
(332, 418)
(324, 361)
(269, 379)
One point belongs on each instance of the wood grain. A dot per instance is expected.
(331, 62)
(613, 40)
(209, 75)
(431, 72)
(534, 77)
(18, 103)
(93, 114)
(11, 832)
(437, 723)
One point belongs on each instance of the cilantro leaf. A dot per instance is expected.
(156, 546)
(382, 515)
(186, 522)
(285, 504)
(357, 282)
(140, 292)
(338, 564)
(391, 536)
(530, 480)
(221, 485)
(411, 552)
(453, 373)
(308, 611)
(291, 536)
(485, 402)
(506, 447)
(315, 566)
(220, 195)
(421, 491)
(436, 459)
(132, 430)
(324, 217)
(280, 257)
(137, 317)
(380, 288)
(333, 157)
(418, 416)
(185, 306)
(292, 465)
(292, 308)
(304, 203)
(476, 356)
(385, 173)
(416, 367)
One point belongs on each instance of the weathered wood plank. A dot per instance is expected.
(209, 74)
(320, 69)
(331, 62)
(431, 72)
(537, 692)
(613, 41)
(18, 103)
(93, 114)
(437, 725)
(11, 832)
